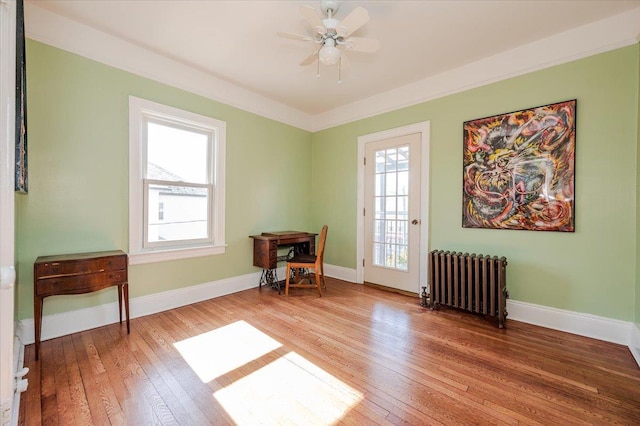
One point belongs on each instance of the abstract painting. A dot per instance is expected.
(519, 170)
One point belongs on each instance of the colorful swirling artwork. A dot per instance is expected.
(518, 170)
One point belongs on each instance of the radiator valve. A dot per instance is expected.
(425, 298)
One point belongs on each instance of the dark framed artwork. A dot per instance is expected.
(519, 170)
(21, 169)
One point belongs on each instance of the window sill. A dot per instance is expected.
(174, 254)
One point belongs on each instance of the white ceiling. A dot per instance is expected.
(235, 41)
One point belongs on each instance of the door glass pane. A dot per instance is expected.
(380, 160)
(380, 186)
(403, 183)
(378, 254)
(403, 158)
(390, 210)
(379, 207)
(392, 159)
(378, 231)
(403, 207)
(391, 184)
(391, 224)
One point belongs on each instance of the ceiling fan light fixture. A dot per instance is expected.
(329, 54)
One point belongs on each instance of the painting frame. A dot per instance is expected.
(518, 169)
(21, 184)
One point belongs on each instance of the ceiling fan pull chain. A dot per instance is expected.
(340, 71)
(318, 70)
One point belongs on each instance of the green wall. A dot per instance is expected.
(591, 270)
(78, 170)
(78, 159)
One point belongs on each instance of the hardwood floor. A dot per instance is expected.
(358, 355)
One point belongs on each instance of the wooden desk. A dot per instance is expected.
(77, 274)
(265, 251)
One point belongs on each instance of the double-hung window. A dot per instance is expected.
(176, 183)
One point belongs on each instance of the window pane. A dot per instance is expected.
(177, 213)
(176, 154)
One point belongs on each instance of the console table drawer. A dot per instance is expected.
(78, 284)
(85, 266)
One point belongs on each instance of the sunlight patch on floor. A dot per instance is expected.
(289, 390)
(224, 349)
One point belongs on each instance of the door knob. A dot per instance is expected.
(415, 221)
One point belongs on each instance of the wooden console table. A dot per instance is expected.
(77, 274)
(265, 251)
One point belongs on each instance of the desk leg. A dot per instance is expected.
(125, 289)
(37, 317)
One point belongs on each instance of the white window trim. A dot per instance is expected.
(138, 108)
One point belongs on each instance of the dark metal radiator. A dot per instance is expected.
(471, 282)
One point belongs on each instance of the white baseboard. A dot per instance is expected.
(64, 323)
(601, 328)
(340, 272)
(634, 346)
(56, 325)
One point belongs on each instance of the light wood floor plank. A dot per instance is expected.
(358, 355)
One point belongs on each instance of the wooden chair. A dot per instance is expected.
(308, 261)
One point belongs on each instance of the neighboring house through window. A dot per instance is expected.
(176, 183)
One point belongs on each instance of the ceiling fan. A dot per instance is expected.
(333, 36)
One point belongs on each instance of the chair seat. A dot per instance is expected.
(303, 258)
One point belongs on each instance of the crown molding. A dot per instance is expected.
(55, 30)
(598, 37)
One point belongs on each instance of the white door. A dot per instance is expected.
(392, 212)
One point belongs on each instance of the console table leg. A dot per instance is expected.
(37, 317)
(125, 289)
(120, 292)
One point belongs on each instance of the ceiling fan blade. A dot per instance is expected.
(356, 19)
(312, 18)
(360, 44)
(292, 36)
(310, 59)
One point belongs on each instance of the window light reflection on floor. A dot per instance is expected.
(289, 390)
(224, 349)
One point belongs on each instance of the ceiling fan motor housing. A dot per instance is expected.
(329, 5)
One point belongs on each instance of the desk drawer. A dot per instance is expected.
(77, 284)
(53, 268)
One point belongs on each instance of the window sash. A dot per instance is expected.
(210, 133)
(177, 243)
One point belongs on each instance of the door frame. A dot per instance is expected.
(7, 207)
(423, 128)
